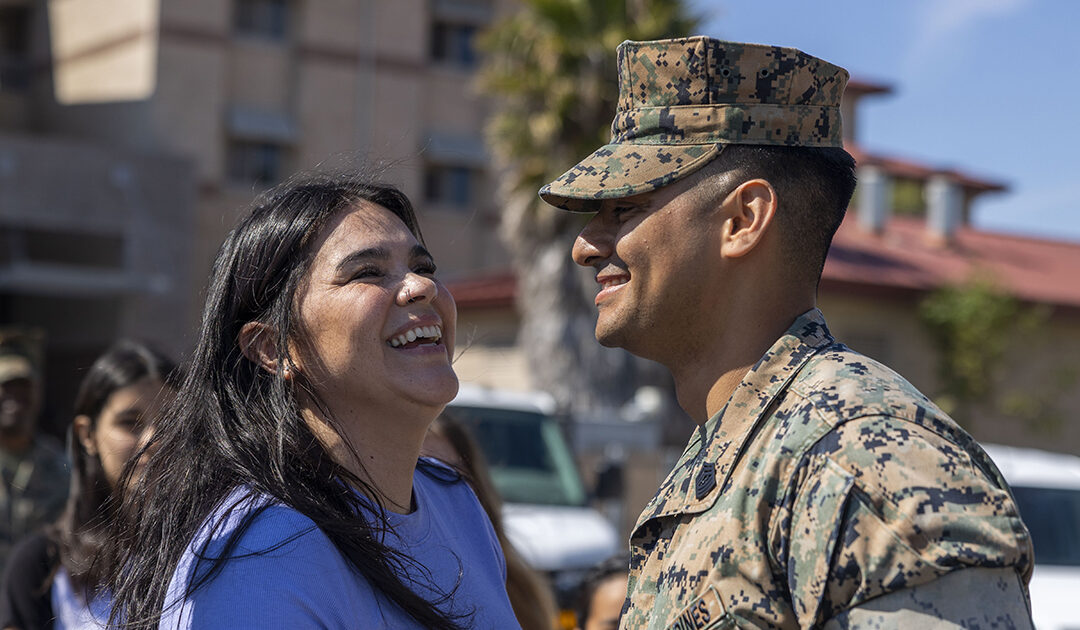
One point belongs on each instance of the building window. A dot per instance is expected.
(450, 185)
(14, 48)
(254, 162)
(267, 19)
(454, 43)
(908, 197)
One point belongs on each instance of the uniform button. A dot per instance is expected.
(706, 480)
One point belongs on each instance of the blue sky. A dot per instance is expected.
(989, 87)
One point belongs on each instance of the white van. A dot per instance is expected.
(1047, 490)
(545, 511)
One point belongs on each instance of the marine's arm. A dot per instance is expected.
(973, 599)
(882, 507)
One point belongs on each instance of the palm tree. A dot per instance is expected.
(551, 67)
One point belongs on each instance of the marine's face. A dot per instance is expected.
(377, 326)
(656, 262)
(18, 406)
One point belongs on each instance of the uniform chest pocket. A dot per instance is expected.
(704, 613)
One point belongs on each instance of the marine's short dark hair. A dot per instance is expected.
(814, 186)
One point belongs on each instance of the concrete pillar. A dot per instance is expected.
(944, 207)
(875, 204)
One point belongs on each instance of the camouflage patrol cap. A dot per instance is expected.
(681, 100)
(15, 366)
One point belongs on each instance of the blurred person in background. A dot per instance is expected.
(602, 595)
(33, 467)
(52, 580)
(286, 489)
(449, 441)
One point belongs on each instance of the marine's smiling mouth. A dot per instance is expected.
(610, 279)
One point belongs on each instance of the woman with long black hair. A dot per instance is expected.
(52, 579)
(285, 490)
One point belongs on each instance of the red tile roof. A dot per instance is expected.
(859, 87)
(497, 290)
(899, 167)
(903, 259)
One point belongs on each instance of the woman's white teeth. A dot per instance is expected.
(432, 333)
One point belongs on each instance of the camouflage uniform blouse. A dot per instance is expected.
(826, 480)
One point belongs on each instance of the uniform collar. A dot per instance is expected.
(715, 446)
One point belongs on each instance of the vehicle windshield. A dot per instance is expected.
(529, 459)
(1052, 515)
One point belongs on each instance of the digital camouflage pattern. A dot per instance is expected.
(33, 491)
(681, 100)
(827, 480)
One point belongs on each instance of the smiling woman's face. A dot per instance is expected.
(377, 326)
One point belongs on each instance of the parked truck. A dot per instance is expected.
(546, 510)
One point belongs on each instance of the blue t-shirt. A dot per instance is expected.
(285, 573)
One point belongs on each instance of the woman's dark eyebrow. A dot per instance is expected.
(419, 251)
(362, 255)
(379, 253)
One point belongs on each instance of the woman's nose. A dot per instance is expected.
(417, 288)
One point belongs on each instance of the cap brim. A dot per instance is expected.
(621, 170)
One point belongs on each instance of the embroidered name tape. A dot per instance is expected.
(705, 612)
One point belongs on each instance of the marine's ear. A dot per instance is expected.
(750, 213)
(258, 345)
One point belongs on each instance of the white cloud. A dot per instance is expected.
(942, 23)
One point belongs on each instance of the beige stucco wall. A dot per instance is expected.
(260, 74)
(206, 16)
(486, 352)
(326, 105)
(337, 24)
(189, 104)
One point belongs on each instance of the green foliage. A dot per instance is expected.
(551, 67)
(973, 325)
(552, 71)
(908, 197)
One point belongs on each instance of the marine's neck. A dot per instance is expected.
(705, 380)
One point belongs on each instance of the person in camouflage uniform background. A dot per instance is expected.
(820, 489)
(34, 471)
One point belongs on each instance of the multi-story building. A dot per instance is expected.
(135, 132)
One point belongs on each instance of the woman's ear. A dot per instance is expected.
(84, 434)
(752, 209)
(257, 343)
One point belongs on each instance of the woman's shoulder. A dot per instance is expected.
(432, 469)
(270, 558)
(438, 482)
(249, 523)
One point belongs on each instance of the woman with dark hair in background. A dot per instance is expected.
(285, 489)
(602, 594)
(449, 441)
(52, 580)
